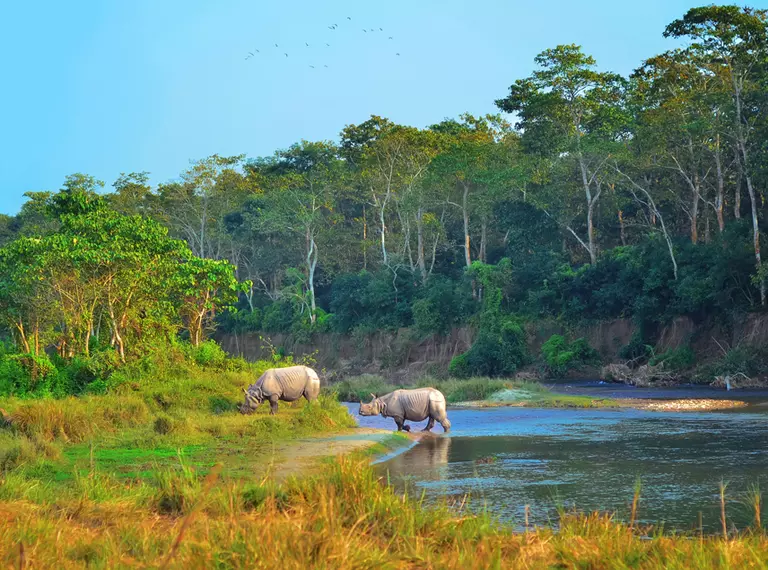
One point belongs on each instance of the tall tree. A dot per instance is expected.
(569, 111)
(732, 44)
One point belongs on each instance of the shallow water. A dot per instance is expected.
(507, 458)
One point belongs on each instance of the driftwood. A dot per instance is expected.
(736, 381)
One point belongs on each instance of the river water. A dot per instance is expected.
(507, 458)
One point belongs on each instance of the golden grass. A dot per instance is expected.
(342, 518)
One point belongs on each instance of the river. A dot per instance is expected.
(590, 459)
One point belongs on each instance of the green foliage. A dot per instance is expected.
(675, 359)
(636, 349)
(441, 306)
(208, 353)
(751, 361)
(500, 348)
(561, 355)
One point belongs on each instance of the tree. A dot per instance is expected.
(203, 287)
(132, 194)
(300, 185)
(570, 112)
(196, 206)
(732, 43)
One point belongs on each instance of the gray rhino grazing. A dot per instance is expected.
(412, 405)
(286, 384)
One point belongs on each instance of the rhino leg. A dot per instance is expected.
(401, 424)
(273, 405)
(430, 424)
(446, 424)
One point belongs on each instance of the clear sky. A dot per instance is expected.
(111, 86)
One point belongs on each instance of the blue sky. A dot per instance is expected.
(148, 85)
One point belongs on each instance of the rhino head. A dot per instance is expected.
(371, 409)
(253, 399)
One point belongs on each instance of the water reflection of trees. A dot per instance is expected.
(424, 460)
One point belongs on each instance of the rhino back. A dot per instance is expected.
(413, 405)
(292, 381)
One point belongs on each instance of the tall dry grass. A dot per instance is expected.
(342, 518)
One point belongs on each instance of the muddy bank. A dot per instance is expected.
(403, 354)
(305, 455)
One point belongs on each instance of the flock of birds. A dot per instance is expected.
(332, 27)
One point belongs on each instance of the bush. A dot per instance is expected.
(675, 359)
(208, 353)
(560, 356)
(636, 349)
(278, 317)
(442, 306)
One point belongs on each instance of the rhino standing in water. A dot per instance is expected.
(286, 384)
(412, 405)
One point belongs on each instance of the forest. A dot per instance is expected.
(589, 196)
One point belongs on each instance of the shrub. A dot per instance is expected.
(208, 353)
(675, 359)
(560, 355)
(636, 349)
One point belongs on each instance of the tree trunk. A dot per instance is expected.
(621, 228)
(695, 209)
(365, 240)
(420, 245)
(311, 266)
(23, 336)
(591, 201)
(465, 215)
(720, 198)
(742, 146)
(483, 240)
(591, 232)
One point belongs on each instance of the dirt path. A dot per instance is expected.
(304, 455)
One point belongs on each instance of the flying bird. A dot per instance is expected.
(366, 31)
(286, 55)
(275, 45)
(348, 18)
(381, 29)
(325, 66)
(328, 45)
(391, 38)
(373, 30)
(307, 44)
(312, 66)
(397, 54)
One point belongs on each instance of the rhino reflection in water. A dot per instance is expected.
(424, 460)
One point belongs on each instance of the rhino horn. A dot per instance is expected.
(373, 396)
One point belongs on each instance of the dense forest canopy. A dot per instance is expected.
(589, 196)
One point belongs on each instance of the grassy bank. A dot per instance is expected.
(148, 421)
(341, 518)
(474, 391)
